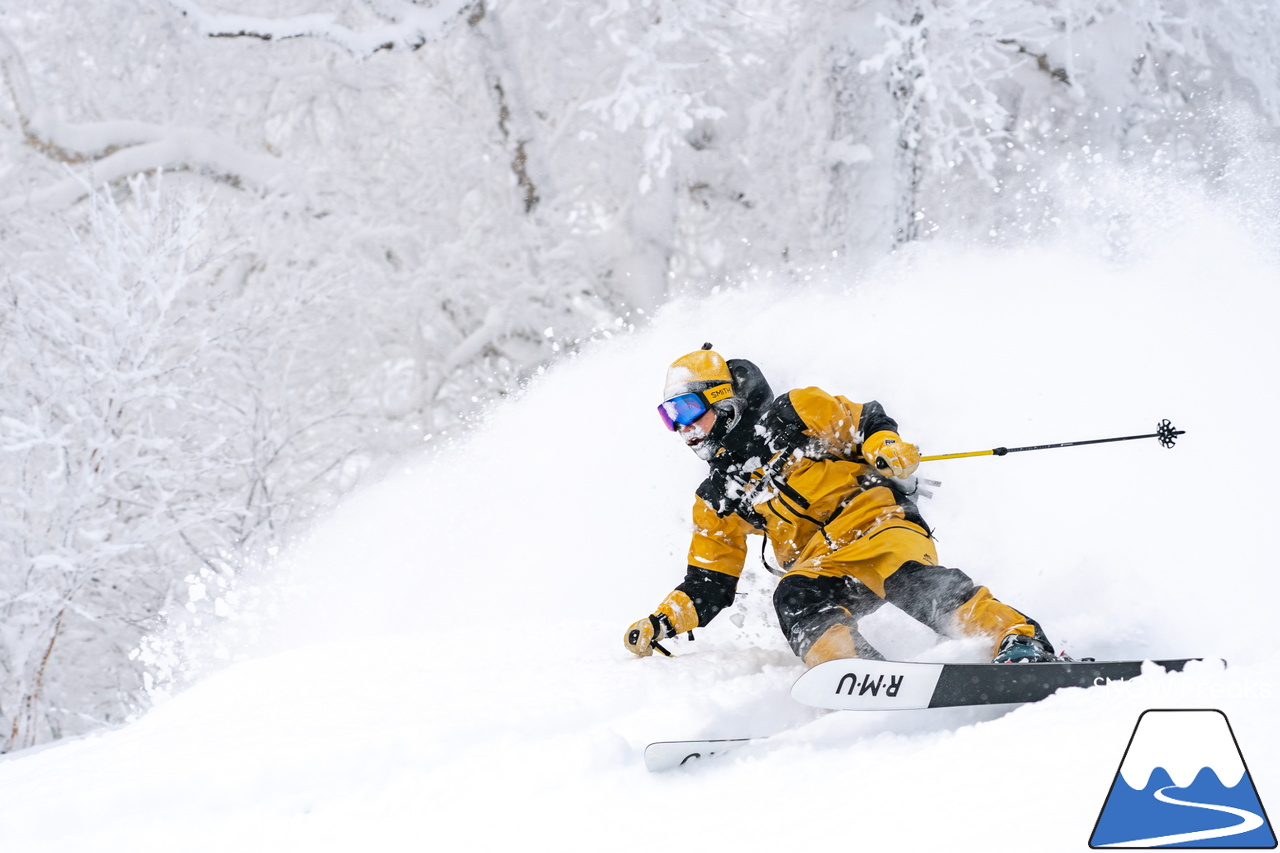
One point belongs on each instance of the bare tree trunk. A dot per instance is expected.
(908, 167)
(23, 732)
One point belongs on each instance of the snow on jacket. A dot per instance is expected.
(801, 482)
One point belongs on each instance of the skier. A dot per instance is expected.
(828, 482)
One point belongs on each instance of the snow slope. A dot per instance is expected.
(440, 666)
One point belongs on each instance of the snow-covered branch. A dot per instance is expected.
(178, 149)
(61, 140)
(493, 327)
(117, 149)
(409, 25)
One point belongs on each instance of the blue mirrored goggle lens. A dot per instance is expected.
(682, 410)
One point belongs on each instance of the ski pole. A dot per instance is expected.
(1164, 432)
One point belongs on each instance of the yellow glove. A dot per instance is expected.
(641, 636)
(890, 454)
(675, 615)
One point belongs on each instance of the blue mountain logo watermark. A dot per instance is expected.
(1183, 783)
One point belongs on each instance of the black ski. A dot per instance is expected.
(873, 685)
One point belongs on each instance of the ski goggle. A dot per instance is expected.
(684, 409)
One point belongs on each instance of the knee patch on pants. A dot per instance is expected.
(949, 602)
(929, 594)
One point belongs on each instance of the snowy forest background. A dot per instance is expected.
(252, 253)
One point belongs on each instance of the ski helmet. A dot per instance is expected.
(735, 389)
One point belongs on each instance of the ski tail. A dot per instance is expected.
(669, 754)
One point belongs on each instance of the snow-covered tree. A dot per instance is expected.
(108, 370)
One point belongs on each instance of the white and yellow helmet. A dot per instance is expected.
(702, 371)
(703, 380)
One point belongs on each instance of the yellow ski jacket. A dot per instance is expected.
(805, 487)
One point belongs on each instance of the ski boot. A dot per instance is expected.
(1018, 648)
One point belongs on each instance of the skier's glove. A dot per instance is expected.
(641, 636)
(675, 615)
(890, 454)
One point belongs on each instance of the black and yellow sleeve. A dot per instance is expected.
(717, 554)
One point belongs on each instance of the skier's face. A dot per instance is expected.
(696, 433)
